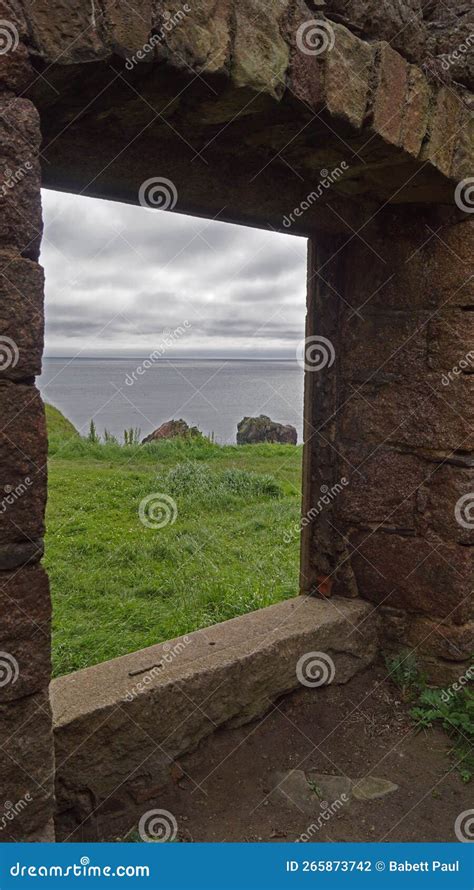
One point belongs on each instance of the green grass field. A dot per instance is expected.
(119, 585)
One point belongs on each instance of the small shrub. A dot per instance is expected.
(93, 436)
(453, 711)
(405, 673)
(456, 715)
(198, 480)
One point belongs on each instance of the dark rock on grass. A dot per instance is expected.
(252, 430)
(173, 429)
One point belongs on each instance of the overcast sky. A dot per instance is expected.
(118, 276)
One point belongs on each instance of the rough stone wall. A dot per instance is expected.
(26, 778)
(380, 414)
(393, 415)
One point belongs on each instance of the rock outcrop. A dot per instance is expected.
(172, 429)
(252, 430)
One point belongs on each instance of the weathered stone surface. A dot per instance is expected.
(400, 23)
(443, 127)
(451, 345)
(127, 27)
(20, 199)
(446, 674)
(449, 30)
(413, 574)
(383, 487)
(311, 792)
(260, 55)
(463, 155)
(371, 788)
(419, 416)
(172, 429)
(389, 99)
(454, 642)
(25, 644)
(23, 445)
(252, 430)
(21, 316)
(70, 35)
(384, 345)
(126, 720)
(306, 72)
(16, 72)
(440, 501)
(201, 39)
(27, 768)
(348, 68)
(415, 111)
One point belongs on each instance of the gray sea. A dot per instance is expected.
(213, 394)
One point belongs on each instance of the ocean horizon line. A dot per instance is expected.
(178, 358)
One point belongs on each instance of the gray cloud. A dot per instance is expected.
(117, 276)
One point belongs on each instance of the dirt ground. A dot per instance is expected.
(228, 790)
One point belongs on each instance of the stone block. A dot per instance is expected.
(16, 72)
(463, 155)
(71, 35)
(443, 128)
(413, 574)
(306, 72)
(416, 107)
(383, 345)
(420, 415)
(27, 775)
(127, 27)
(25, 659)
(446, 504)
(390, 93)
(382, 488)
(120, 725)
(23, 446)
(451, 345)
(20, 179)
(201, 39)
(347, 74)
(260, 55)
(21, 317)
(450, 641)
